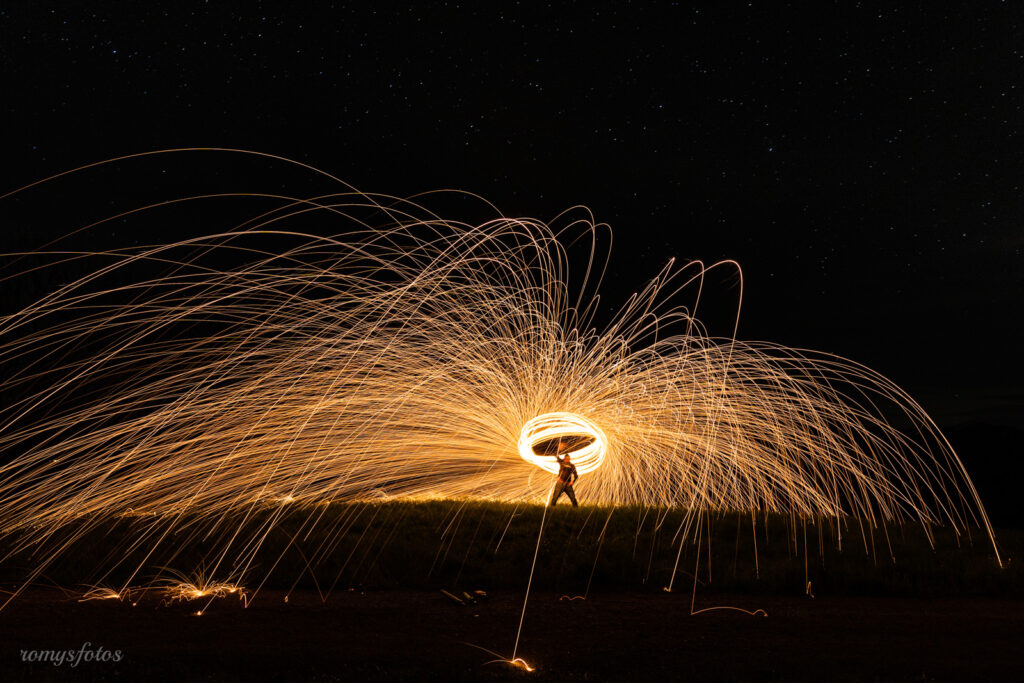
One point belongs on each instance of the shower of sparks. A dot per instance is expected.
(411, 356)
(188, 590)
(218, 590)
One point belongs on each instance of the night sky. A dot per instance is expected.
(863, 165)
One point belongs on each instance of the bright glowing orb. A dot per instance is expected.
(587, 443)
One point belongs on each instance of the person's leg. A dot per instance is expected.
(572, 496)
(556, 494)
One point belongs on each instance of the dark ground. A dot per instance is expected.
(948, 613)
(611, 636)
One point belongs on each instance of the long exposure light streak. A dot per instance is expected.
(587, 453)
(409, 356)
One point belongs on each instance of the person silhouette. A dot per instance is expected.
(567, 476)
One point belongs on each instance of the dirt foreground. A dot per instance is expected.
(424, 635)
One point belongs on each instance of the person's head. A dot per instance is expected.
(566, 457)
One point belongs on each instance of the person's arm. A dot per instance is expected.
(575, 476)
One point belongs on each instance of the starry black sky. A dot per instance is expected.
(864, 165)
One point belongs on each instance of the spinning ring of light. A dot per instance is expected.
(550, 426)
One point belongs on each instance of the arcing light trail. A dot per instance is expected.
(411, 356)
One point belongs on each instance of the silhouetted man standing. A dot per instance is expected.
(566, 478)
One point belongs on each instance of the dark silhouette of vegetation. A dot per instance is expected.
(467, 545)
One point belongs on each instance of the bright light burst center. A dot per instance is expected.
(587, 453)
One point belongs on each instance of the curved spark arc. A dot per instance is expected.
(405, 358)
(587, 454)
